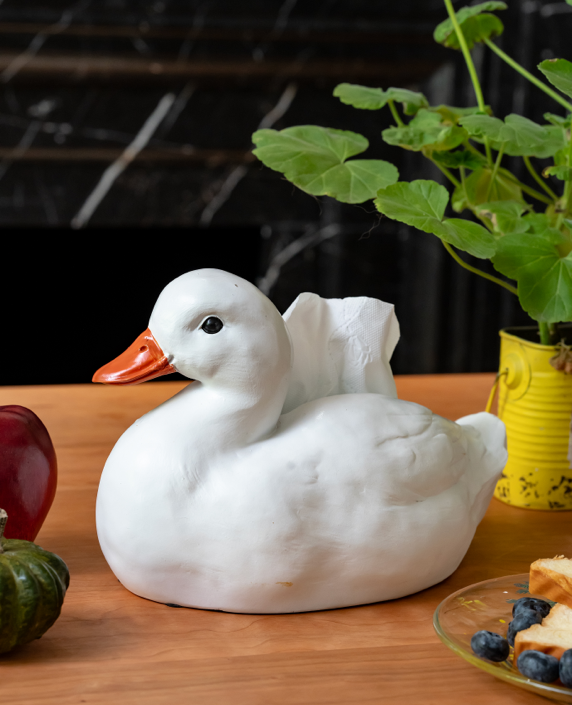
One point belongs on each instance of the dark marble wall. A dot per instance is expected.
(182, 86)
(125, 160)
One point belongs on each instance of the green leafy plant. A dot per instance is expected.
(526, 232)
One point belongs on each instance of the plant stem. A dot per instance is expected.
(495, 171)
(544, 333)
(471, 147)
(568, 184)
(488, 151)
(446, 171)
(538, 179)
(567, 194)
(467, 55)
(564, 201)
(517, 67)
(474, 270)
(530, 191)
(463, 183)
(395, 114)
(471, 67)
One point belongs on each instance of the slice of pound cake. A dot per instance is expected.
(559, 617)
(553, 642)
(552, 578)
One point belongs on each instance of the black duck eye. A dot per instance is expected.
(212, 325)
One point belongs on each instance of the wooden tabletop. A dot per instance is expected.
(110, 646)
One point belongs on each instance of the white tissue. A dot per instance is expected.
(340, 346)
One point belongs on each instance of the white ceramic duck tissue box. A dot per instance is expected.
(287, 477)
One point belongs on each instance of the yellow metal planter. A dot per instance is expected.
(535, 402)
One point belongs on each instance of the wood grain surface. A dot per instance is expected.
(110, 646)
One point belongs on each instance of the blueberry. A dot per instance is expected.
(538, 666)
(531, 603)
(525, 618)
(489, 645)
(566, 668)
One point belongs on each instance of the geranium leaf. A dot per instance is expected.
(354, 181)
(561, 157)
(477, 187)
(559, 73)
(418, 203)
(476, 29)
(425, 131)
(407, 138)
(448, 138)
(361, 97)
(366, 98)
(411, 101)
(520, 136)
(295, 144)
(558, 119)
(452, 114)
(426, 120)
(525, 138)
(536, 222)
(470, 237)
(464, 157)
(564, 173)
(475, 25)
(314, 159)
(505, 216)
(541, 263)
(422, 204)
(482, 126)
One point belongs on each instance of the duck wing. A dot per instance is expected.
(340, 346)
(399, 451)
(434, 454)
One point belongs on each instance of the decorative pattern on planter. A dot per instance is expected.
(535, 403)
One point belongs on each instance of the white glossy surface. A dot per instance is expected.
(216, 500)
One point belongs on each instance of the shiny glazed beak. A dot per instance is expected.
(143, 360)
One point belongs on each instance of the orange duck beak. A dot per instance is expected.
(143, 360)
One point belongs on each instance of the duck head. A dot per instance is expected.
(213, 327)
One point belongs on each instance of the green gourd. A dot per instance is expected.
(33, 583)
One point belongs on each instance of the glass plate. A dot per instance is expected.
(488, 605)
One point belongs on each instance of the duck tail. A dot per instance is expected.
(487, 448)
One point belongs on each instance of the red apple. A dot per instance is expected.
(28, 471)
